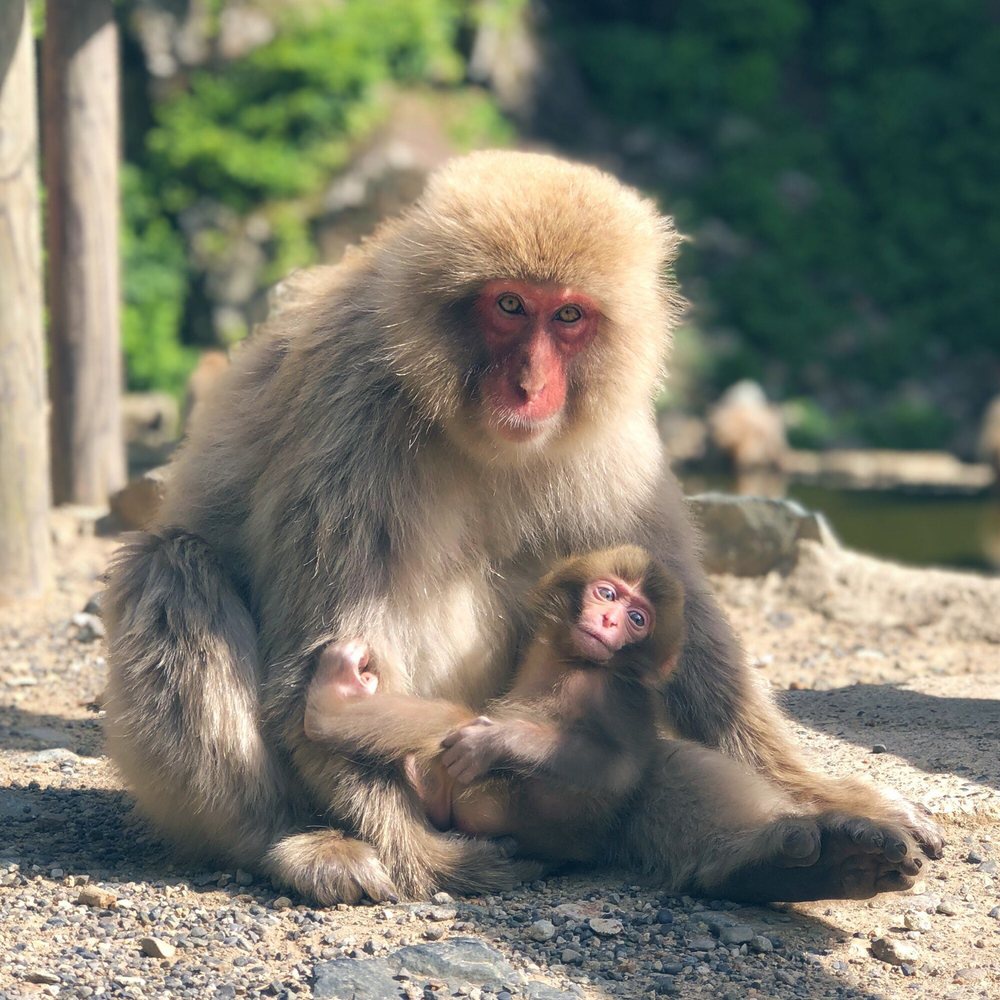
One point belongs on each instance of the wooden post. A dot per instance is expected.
(24, 453)
(81, 152)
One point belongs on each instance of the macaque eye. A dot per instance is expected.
(569, 314)
(510, 304)
(637, 618)
(606, 593)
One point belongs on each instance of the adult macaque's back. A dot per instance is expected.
(467, 397)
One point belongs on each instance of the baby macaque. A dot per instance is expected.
(554, 761)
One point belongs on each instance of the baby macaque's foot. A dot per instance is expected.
(471, 750)
(341, 673)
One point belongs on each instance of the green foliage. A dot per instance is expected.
(848, 153)
(156, 281)
(279, 122)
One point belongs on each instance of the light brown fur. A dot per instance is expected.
(339, 481)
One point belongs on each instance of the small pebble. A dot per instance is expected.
(738, 934)
(542, 930)
(156, 948)
(916, 920)
(605, 927)
(442, 898)
(761, 945)
(879, 748)
(91, 895)
(281, 903)
(974, 858)
(895, 952)
(701, 942)
(947, 907)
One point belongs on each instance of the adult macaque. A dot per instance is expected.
(469, 398)
(571, 742)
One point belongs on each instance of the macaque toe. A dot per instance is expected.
(800, 844)
(924, 830)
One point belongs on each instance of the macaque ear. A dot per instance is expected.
(666, 669)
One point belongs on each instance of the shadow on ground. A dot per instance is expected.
(951, 735)
(24, 730)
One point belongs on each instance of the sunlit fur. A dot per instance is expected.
(340, 484)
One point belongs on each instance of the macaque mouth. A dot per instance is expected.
(591, 644)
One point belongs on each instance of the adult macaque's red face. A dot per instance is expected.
(613, 614)
(531, 332)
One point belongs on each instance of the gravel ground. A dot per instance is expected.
(91, 904)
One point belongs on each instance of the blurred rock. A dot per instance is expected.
(206, 373)
(176, 35)
(150, 419)
(685, 438)
(751, 536)
(136, 504)
(989, 437)
(747, 430)
(931, 471)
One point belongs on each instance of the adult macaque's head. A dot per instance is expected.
(529, 301)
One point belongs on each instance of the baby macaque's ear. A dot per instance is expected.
(664, 672)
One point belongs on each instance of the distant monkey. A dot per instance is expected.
(468, 397)
(565, 749)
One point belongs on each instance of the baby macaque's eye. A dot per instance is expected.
(606, 592)
(637, 618)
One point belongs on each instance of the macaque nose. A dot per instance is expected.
(610, 619)
(531, 380)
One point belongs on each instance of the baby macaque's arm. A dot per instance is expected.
(536, 748)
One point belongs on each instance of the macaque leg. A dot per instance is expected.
(714, 700)
(378, 805)
(182, 724)
(708, 825)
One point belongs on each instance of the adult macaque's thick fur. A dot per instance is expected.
(341, 484)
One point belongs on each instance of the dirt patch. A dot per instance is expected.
(886, 671)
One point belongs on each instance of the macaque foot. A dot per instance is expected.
(920, 824)
(326, 867)
(488, 865)
(341, 673)
(831, 856)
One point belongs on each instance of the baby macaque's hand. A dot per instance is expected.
(471, 750)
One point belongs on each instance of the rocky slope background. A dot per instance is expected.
(888, 672)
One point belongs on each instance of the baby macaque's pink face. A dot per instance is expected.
(614, 614)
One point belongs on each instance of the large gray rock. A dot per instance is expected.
(750, 536)
(355, 979)
(459, 962)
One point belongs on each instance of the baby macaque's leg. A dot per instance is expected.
(341, 674)
(434, 787)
